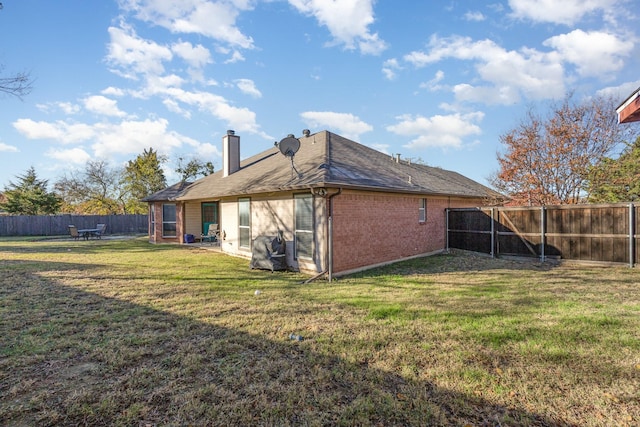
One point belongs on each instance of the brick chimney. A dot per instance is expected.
(230, 153)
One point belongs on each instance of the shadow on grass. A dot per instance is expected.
(71, 357)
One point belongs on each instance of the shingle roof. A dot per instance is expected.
(329, 160)
(169, 193)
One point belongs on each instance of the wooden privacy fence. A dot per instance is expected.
(56, 225)
(603, 233)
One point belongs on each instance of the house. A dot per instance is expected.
(629, 110)
(340, 206)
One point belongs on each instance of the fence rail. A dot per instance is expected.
(56, 225)
(601, 233)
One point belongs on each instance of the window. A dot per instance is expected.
(304, 226)
(169, 220)
(152, 215)
(244, 222)
(422, 210)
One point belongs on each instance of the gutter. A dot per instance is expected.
(328, 262)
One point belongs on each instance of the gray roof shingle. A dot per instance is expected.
(327, 159)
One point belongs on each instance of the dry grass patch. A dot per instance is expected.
(124, 333)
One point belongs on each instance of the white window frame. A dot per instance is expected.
(298, 231)
(422, 210)
(175, 221)
(241, 244)
(152, 215)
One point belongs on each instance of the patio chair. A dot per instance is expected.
(212, 234)
(101, 229)
(73, 231)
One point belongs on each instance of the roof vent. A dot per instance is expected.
(306, 132)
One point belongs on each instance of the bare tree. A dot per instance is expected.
(18, 85)
(95, 190)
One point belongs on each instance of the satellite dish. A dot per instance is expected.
(289, 146)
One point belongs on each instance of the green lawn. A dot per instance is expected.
(121, 332)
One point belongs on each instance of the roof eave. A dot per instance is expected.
(629, 110)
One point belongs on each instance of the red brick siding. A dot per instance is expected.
(372, 228)
(157, 237)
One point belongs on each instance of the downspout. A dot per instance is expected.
(330, 234)
(328, 261)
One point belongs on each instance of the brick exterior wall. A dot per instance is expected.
(157, 236)
(373, 228)
(369, 228)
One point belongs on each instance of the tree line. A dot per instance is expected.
(99, 188)
(574, 152)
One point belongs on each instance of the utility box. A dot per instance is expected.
(269, 253)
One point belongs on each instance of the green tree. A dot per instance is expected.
(29, 196)
(143, 176)
(616, 180)
(193, 168)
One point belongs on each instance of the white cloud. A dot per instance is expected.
(174, 107)
(76, 156)
(346, 124)
(348, 22)
(509, 74)
(240, 119)
(133, 55)
(66, 107)
(214, 19)
(206, 150)
(389, 68)
(113, 91)
(383, 148)
(433, 84)
(102, 105)
(108, 139)
(594, 53)
(196, 56)
(441, 131)
(474, 16)
(156, 85)
(235, 57)
(566, 12)
(131, 137)
(249, 87)
(8, 148)
(60, 131)
(620, 92)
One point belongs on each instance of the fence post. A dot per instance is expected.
(632, 233)
(493, 234)
(446, 225)
(543, 233)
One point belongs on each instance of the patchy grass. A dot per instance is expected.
(127, 333)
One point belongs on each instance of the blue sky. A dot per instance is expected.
(437, 81)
